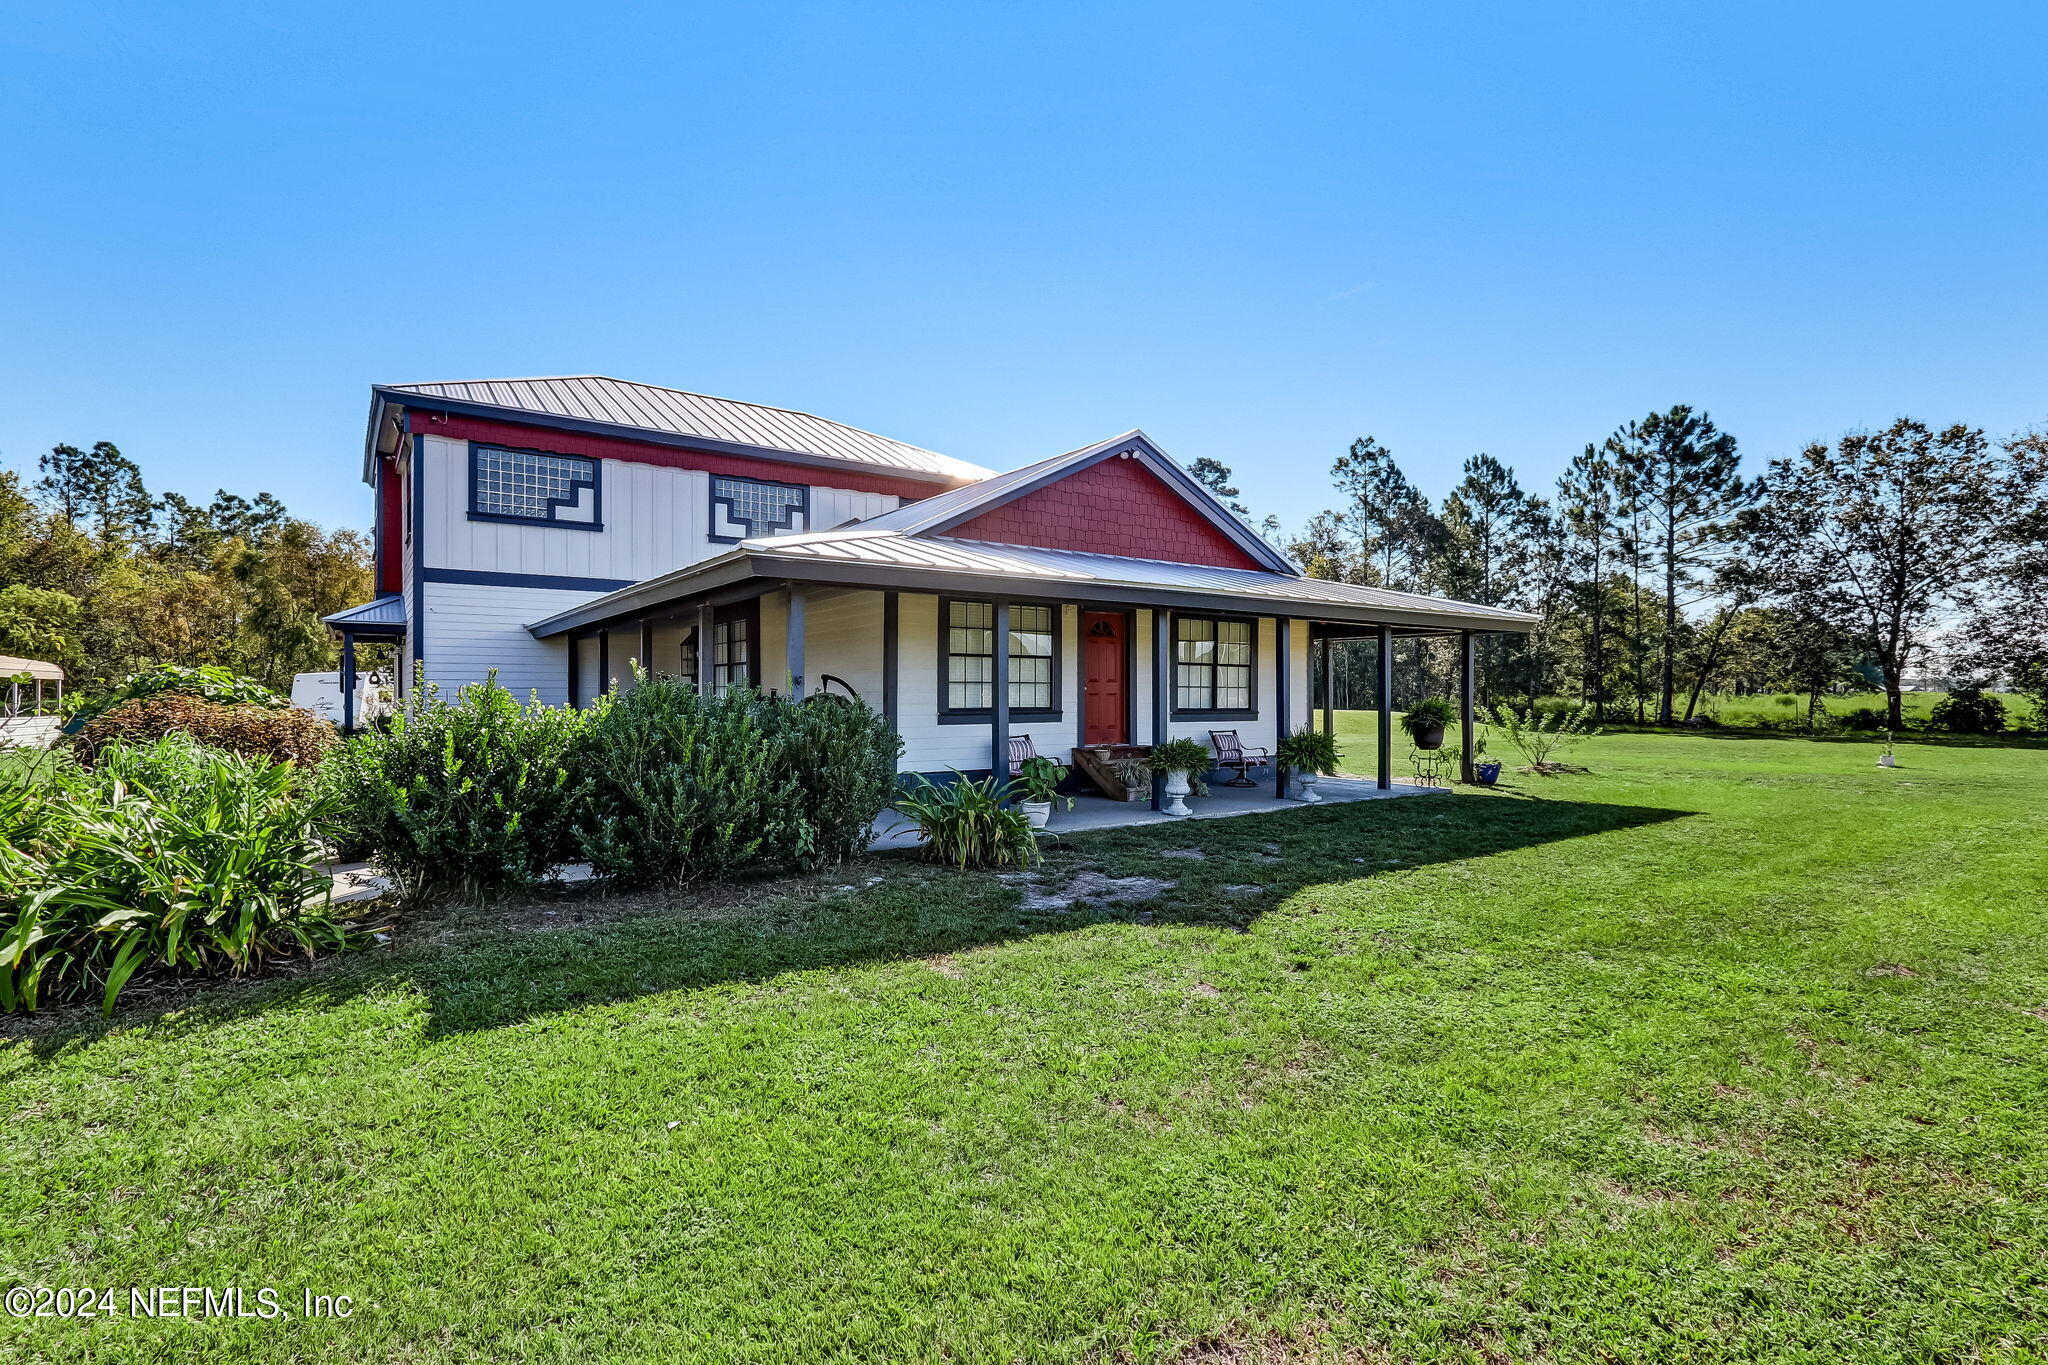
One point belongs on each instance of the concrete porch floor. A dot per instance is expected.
(1099, 812)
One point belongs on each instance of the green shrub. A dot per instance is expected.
(209, 684)
(1968, 711)
(842, 755)
(968, 823)
(264, 733)
(470, 798)
(675, 785)
(207, 863)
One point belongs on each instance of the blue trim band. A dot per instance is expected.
(488, 578)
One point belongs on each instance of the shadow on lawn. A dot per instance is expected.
(490, 968)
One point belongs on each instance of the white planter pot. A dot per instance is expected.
(1887, 761)
(1036, 813)
(1177, 790)
(1305, 787)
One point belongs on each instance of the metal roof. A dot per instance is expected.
(1072, 566)
(628, 407)
(384, 611)
(866, 556)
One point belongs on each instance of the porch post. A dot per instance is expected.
(1162, 694)
(1386, 701)
(348, 683)
(1329, 686)
(647, 647)
(793, 642)
(890, 628)
(706, 620)
(1465, 690)
(1283, 687)
(999, 693)
(575, 680)
(604, 660)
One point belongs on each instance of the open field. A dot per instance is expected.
(1732, 1049)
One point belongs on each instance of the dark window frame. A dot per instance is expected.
(713, 501)
(983, 715)
(1179, 712)
(596, 522)
(750, 612)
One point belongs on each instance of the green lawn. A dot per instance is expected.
(1731, 1049)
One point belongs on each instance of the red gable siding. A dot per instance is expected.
(431, 423)
(1113, 507)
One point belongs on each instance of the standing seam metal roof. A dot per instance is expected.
(648, 407)
(861, 545)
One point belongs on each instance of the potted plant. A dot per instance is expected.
(1134, 772)
(1886, 758)
(1485, 771)
(1037, 786)
(1425, 722)
(1184, 762)
(1308, 753)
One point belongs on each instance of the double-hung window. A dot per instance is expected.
(732, 651)
(967, 644)
(1212, 664)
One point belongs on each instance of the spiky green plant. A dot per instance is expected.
(206, 863)
(969, 823)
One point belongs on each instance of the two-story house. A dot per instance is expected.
(562, 530)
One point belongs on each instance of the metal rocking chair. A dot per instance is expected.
(1232, 754)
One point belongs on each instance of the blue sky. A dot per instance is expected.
(1003, 231)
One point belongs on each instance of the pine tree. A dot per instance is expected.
(1586, 511)
(1387, 516)
(1687, 476)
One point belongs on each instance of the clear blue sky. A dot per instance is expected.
(1004, 230)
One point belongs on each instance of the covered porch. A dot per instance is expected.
(972, 646)
(1221, 803)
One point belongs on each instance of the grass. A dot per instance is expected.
(1784, 708)
(1732, 1049)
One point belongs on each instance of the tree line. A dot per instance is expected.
(1661, 572)
(102, 577)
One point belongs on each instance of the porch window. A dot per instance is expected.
(732, 652)
(1212, 664)
(686, 669)
(967, 649)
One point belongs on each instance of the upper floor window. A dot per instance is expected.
(968, 643)
(752, 507)
(1212, 664)
(532, 486)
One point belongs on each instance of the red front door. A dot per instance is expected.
(1102, 676)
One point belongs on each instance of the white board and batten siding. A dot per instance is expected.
(930, 746)
(656, 519)
(844, 637)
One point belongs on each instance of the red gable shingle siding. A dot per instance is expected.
(519, 436)
(1113, 507)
